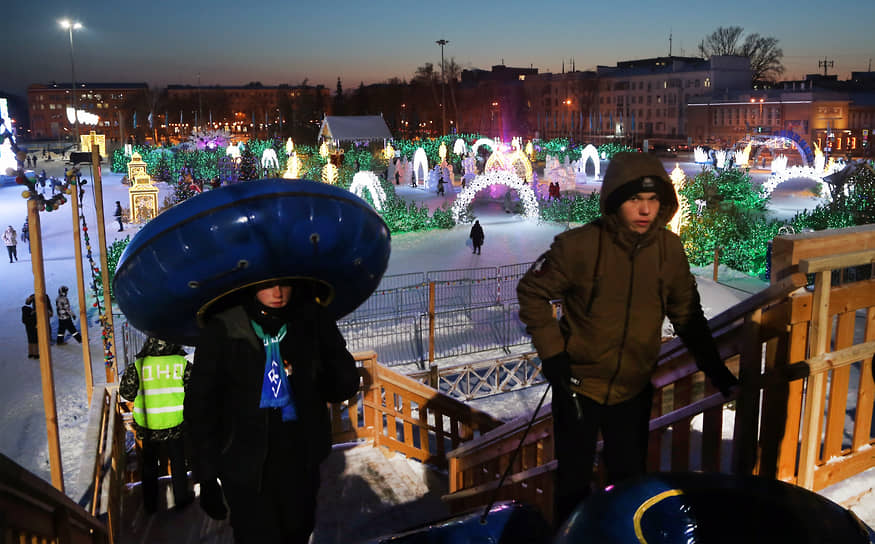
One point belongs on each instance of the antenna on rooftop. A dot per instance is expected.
(825, 64)
(669, 42)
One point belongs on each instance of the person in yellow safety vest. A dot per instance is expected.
(156, 382)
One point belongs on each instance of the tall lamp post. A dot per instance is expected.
(71, 26)
(442, 43)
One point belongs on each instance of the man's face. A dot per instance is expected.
(276, 296)
(639, 212)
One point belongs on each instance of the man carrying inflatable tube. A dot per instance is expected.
(618, 277)
(264, 369)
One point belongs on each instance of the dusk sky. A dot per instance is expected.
(232, 43)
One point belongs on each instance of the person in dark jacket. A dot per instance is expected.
(156, 383)
(28, 318)
(476, 237)
(617, 278)
(264, 370)
(118, 215)
(65, 318)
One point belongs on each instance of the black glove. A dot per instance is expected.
(723, 379)
(557, 369)
(212, 500)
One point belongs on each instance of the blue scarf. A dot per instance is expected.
(275, 390)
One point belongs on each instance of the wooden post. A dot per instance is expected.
(430, 321)
(45, 353)
(80, 286)
(716, 261)
(433, 376)
(747, 414)
(104, 272)
(820, 332)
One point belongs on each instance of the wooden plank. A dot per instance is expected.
(841, 358)
(712, 433)
(774, 411)
(810, 445)
(680, 435)
(845, 298)
(845, 467)
(747, 407)
(838, 393)
(787, 251)
(865, 391)
(836, 261)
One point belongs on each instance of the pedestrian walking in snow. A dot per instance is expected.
(65, 318)
(25, 234)
(618, 277)
(477, 236)
(156, 383)
(440, 186)
(118, 215)
(28, 318)
(9, 238)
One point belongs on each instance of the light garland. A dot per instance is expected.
(527, 196)
(368, 180)
(420, 159)
(795, 172)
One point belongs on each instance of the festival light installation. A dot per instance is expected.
(483, 141)
(368, 180)
(700, 155)
(527, 196)
(85, 117)
(590, 153)
(530, 150)
(742, 157)
(721, 158)
(329, 173)
(290, 146)
(269, 160)
(233, 151)
(678, 178)
(442, 152)
(459, 147)
(293, 167)
(389, 152)
(420, 164)
(323, 150)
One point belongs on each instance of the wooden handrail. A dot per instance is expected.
(833, 262)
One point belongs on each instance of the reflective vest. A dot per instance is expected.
(159, 399)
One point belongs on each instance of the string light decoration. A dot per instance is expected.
(678, 178)
(442, 152)
(527, 196)
(31, 193)
(323, 150)
(459, 147)
(106, 332)
(290, 146)
(511, 162)
(389, 152)
(796, 172)
(530, 150)
(483, 141)
(233, 151)
(368, 180)
(742, 158)
(329, 174)
(420, 159)
(269, 160)
(700, 155)
(590, 153)
(293, 167)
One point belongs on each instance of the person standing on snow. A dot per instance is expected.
(9, 239)
(617, 277)
(477, 237)
(28, 318)
(156, 383)
(65, 317)
(263, 372)
(118, 215)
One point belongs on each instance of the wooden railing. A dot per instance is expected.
(403, 415)
(765, 339)
(479, 379)
(31, 510)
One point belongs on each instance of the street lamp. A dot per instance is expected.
(71, 26)
(442, 43)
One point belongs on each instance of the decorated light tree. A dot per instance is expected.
(248, 165)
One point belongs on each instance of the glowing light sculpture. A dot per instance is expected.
(527, 196)
(233, 151)
(329, 174)
(483, 141)
(779, 164)
(290, 146)
(293, 167)
(721, 158)
(678, 178)
(530, 150)
(323, 150)
(819, 159)
(85, 117)
(590, 153)
(420, 165)
(700, 155)
(269, 160)
(368, 180)
(442, 152)
(742, 157)
(795, 172)
(389, 152)
(459, 147)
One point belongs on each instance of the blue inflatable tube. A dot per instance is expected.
(183, 262)
(508, 522)
(696, 508)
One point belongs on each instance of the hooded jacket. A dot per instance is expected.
(232, 437)
(616, 287)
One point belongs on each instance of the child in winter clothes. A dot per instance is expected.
(65, 317)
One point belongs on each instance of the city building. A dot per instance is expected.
(110, 103)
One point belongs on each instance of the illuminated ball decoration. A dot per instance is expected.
(527, 196)
(368, 180)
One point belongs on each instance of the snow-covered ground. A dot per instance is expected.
(509, 240)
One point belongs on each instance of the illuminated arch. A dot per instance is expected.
(590, 153)
(527, 196)
(420, 159)
(796, 172)
(511, 162)
(483, 141)
(368, 180)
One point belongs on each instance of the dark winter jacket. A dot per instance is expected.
(616, 287)
(232, 437)
(477, 235)
(62, 304)
(28, 317)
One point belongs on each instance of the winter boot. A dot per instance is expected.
(77, 337)
(60, 340)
